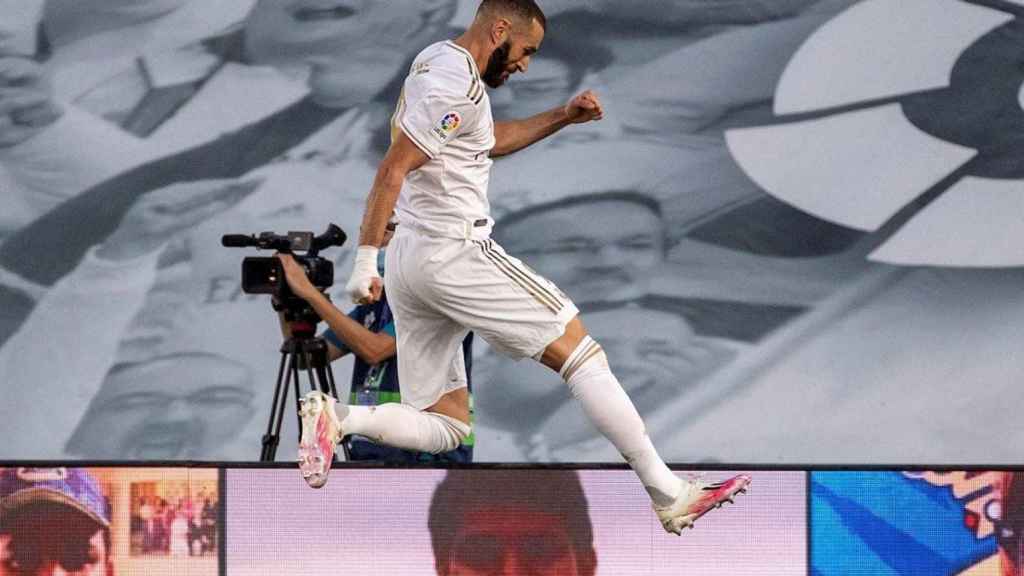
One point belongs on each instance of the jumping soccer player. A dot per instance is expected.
(446, 276)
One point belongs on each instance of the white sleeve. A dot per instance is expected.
(56, 362)
(432, 114)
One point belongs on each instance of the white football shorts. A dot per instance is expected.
(440, 288)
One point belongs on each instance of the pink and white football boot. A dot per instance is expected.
(321, 431)
(696, 499)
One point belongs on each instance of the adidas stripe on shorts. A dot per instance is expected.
(440, 288)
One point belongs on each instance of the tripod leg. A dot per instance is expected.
(298, 394)
(326, 377)
(334, 392)
(273, 434)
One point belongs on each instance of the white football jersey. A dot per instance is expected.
(444, 109)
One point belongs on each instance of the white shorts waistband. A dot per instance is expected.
(478, 229)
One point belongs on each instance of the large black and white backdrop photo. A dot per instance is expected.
(798, 233)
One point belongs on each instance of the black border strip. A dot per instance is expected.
(222, 522)
(808, 523)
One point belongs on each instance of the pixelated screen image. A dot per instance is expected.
(425, 522)
(106, 521)
(909, 523)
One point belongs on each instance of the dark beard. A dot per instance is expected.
(496, 66)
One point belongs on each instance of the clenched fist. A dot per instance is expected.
(585, 107)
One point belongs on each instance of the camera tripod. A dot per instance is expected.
(303, 351)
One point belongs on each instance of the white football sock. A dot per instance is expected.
(609, 408)
(403, 427)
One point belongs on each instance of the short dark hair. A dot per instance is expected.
(525, 9)
(555, 492)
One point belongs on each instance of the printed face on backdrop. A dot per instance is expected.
(655, 355)
(349, 44)
(605, 250)
(182, 406)
(547, 86)
(68, 20)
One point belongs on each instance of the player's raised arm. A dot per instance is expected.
(364, 286)
(512, 136)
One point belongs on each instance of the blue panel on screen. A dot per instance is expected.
(890, 523)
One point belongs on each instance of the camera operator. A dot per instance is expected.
(368, 331)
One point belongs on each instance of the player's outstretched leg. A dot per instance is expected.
(325, 423)
(677, 502)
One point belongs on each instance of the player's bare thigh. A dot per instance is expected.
(454, 404)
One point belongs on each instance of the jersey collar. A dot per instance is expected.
(472, 62)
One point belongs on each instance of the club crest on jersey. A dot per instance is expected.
(449, 124)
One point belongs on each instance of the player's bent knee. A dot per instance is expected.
(557, 354)
(451, 432)
(587, 353)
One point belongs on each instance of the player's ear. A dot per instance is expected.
(501, 30)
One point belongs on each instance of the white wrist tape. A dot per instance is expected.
(363, 272)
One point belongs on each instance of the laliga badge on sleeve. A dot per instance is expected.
(447, 125)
